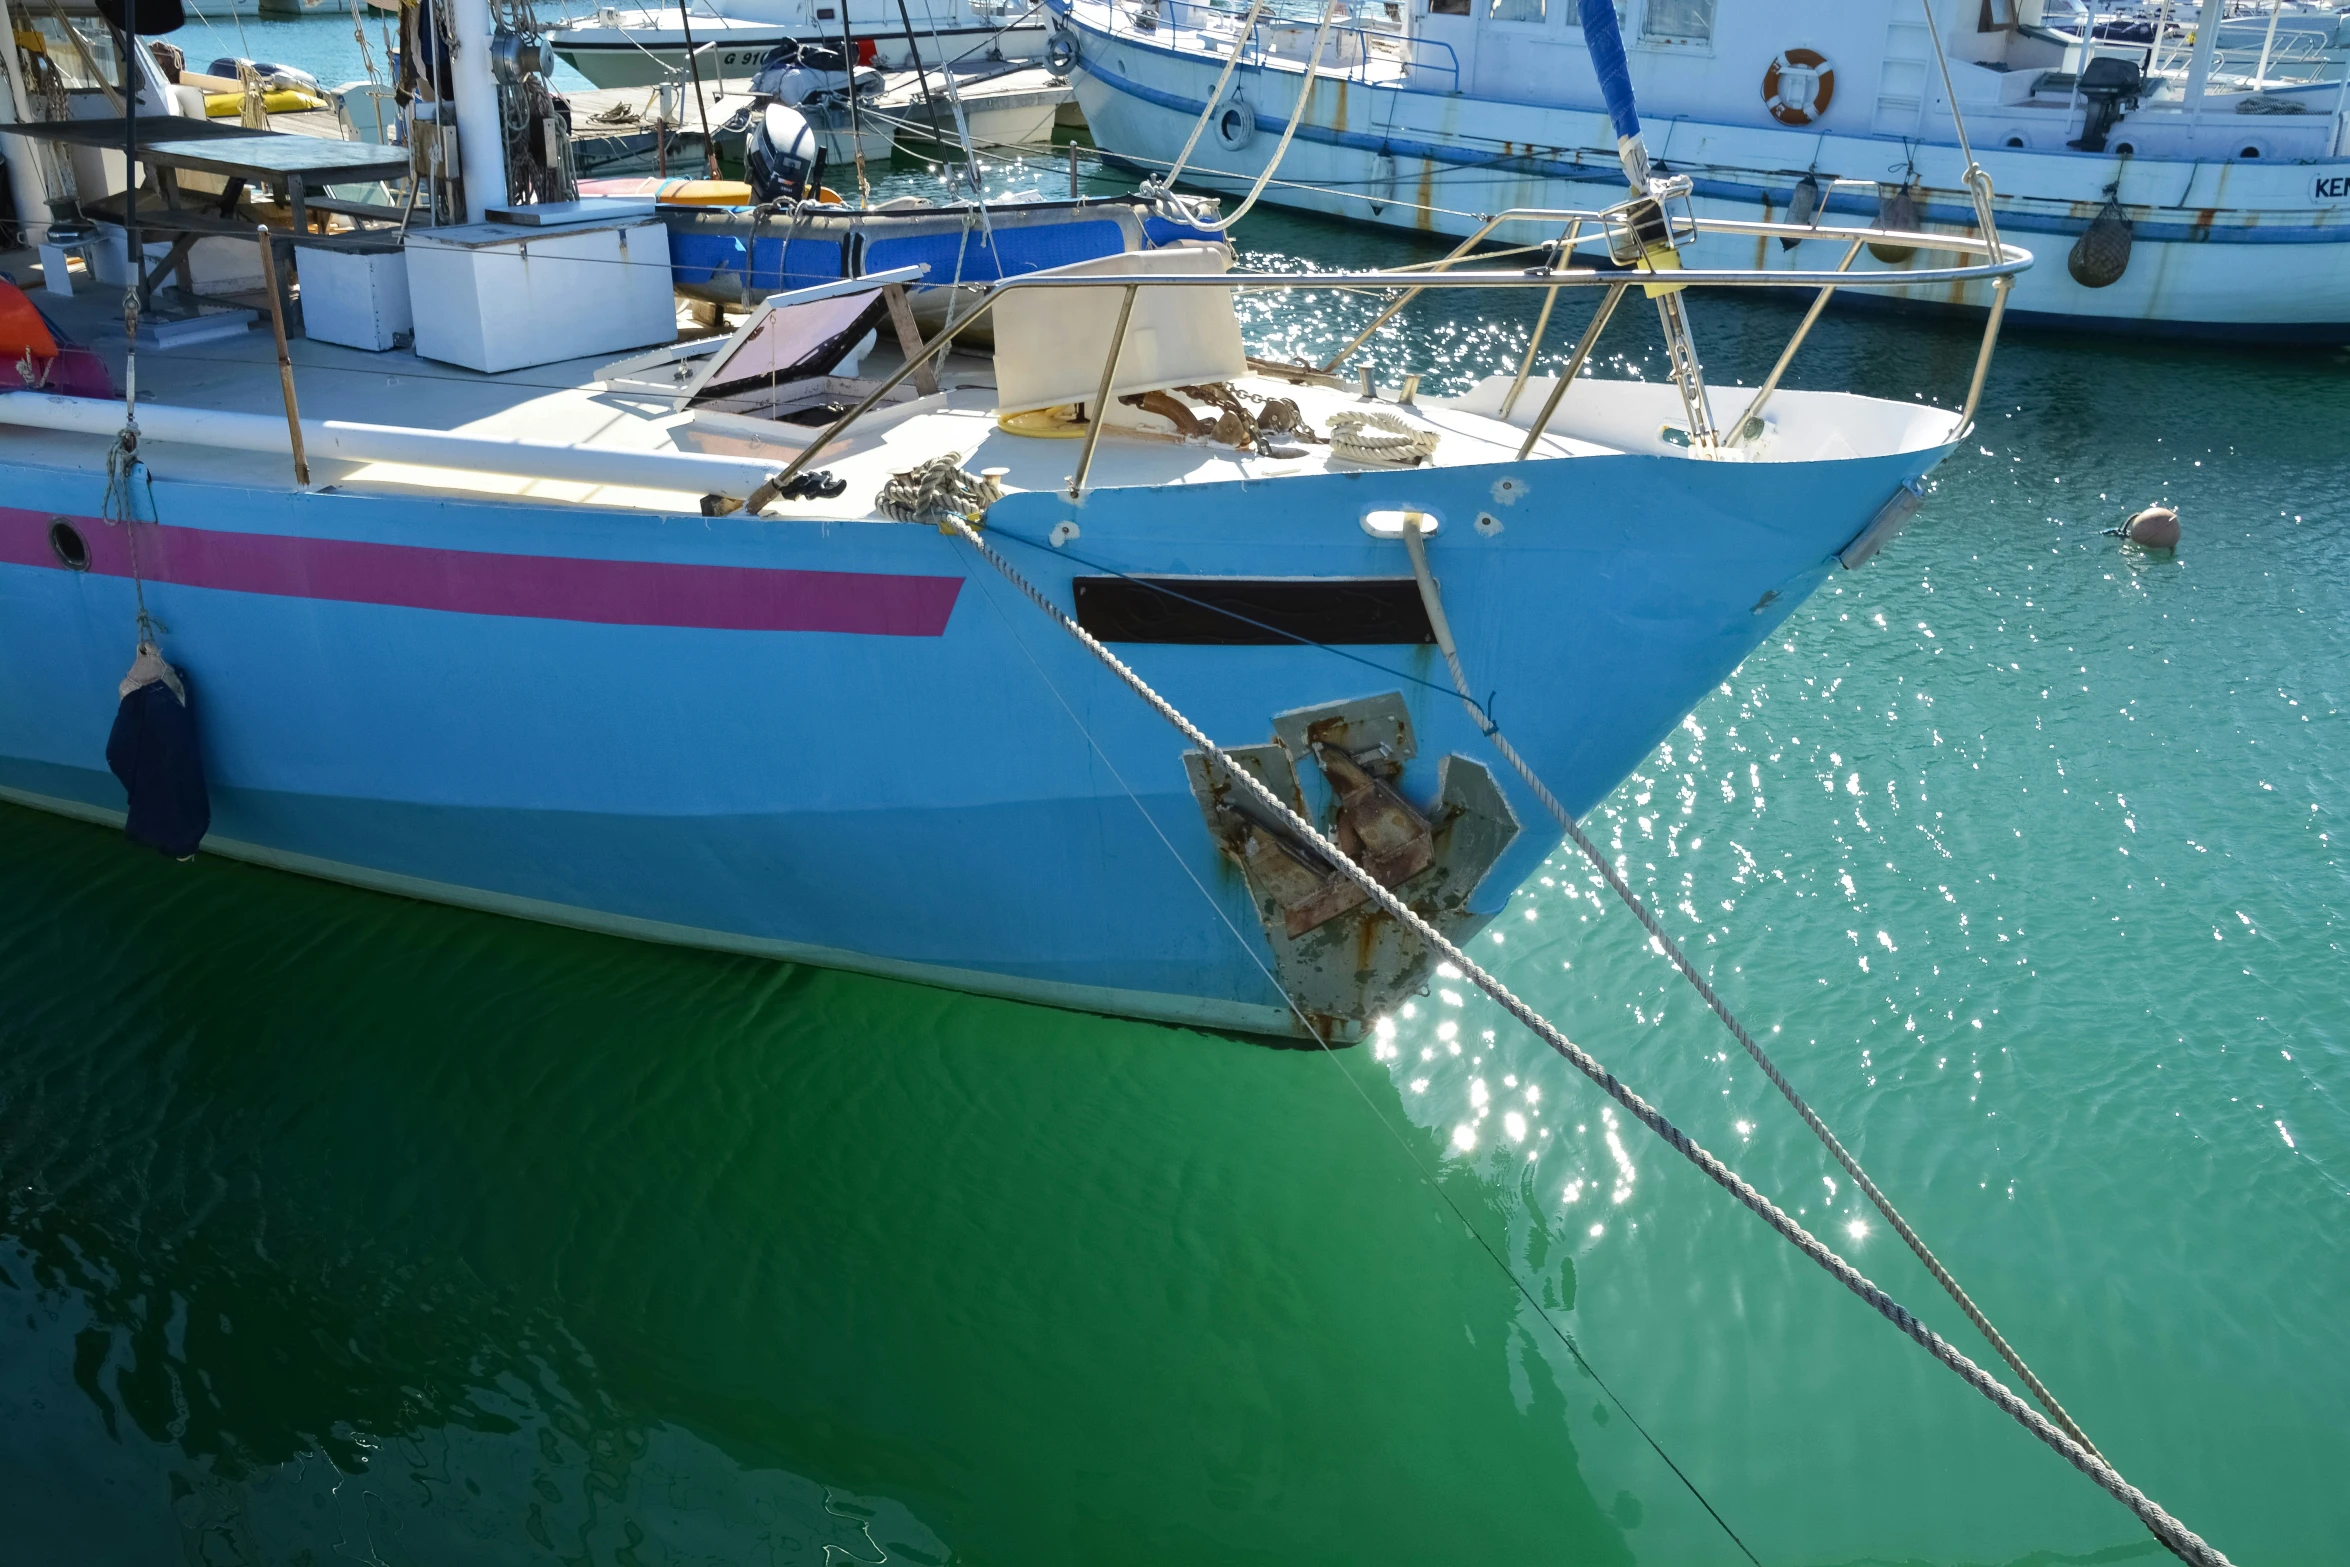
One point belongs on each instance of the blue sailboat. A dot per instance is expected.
(690, 646)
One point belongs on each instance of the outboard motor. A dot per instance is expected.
(2109, 84)
(782, 157)
(794, 73)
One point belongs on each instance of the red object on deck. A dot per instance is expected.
(36, 355)
(22, 327)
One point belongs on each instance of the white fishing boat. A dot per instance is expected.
(2185, 190)
(620, 46)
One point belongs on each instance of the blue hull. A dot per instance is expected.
(872, 754)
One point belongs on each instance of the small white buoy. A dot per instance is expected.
(2157, 528)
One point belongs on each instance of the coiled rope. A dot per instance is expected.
(1373, 435)
(1415, 542)
(2176, 1536)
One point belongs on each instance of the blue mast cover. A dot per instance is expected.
(1607, 57)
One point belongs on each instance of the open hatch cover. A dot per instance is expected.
(789, 337)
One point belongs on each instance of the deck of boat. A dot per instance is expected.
(565, 402)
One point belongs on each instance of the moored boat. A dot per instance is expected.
(2191, 200)
(694, 644)
(616, 46)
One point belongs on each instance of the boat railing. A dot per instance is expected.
(1992, 262)
(1367, 43)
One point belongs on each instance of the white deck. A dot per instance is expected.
(564, 403)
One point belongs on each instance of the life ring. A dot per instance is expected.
(1060, 52)
(1236, 122)
(1798, 86)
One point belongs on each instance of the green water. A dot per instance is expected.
(337, 1227)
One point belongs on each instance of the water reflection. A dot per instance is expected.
(341, 1224)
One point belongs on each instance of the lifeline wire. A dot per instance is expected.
(1484, 1245)
(1416, 543)
(2182, 1541)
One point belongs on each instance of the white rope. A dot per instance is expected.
(1397, 442)
(1305, 96)
(2182, 1541)
(1207, 111)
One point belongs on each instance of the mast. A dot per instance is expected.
(481, 128)
(2206, 44)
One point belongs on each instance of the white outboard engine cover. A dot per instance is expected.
(779, 155)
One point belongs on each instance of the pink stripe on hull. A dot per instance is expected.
(477, 582)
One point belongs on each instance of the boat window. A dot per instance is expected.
(1678, 20)
(1448, 7)
(1575, 14)
(1517, 10)
(1998, 16)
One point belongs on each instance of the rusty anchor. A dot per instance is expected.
(1341, 961)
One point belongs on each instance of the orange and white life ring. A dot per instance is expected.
(1798, 86)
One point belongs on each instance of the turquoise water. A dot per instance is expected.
(341, 1226)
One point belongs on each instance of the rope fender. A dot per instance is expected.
(2176, 1536)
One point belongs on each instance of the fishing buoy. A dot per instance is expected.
(2102, 254)
(1897, 208)
(2157, 528)
(1802, 207)
(153, 751)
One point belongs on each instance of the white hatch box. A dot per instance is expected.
(492, 297)
(353, 296)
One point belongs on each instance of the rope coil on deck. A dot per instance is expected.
(2176, 1536)
(1373, 435)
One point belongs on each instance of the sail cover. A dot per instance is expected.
(1606, 46)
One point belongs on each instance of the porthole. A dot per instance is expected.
(2016, 141)
(2249, 151)
(64, 538)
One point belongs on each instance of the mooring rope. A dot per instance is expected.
(1415, 542)
(1297, 114)
(2176, 1536)
(1442, 1193)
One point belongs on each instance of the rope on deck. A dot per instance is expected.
(2176, 1536)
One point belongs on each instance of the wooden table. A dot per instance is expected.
(288, 164)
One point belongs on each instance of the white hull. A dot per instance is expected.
(2231, 248)
(641, 49)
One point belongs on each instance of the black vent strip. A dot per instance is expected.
(1254, 611)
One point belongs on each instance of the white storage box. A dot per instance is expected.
(358, 298)
(492, 297)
